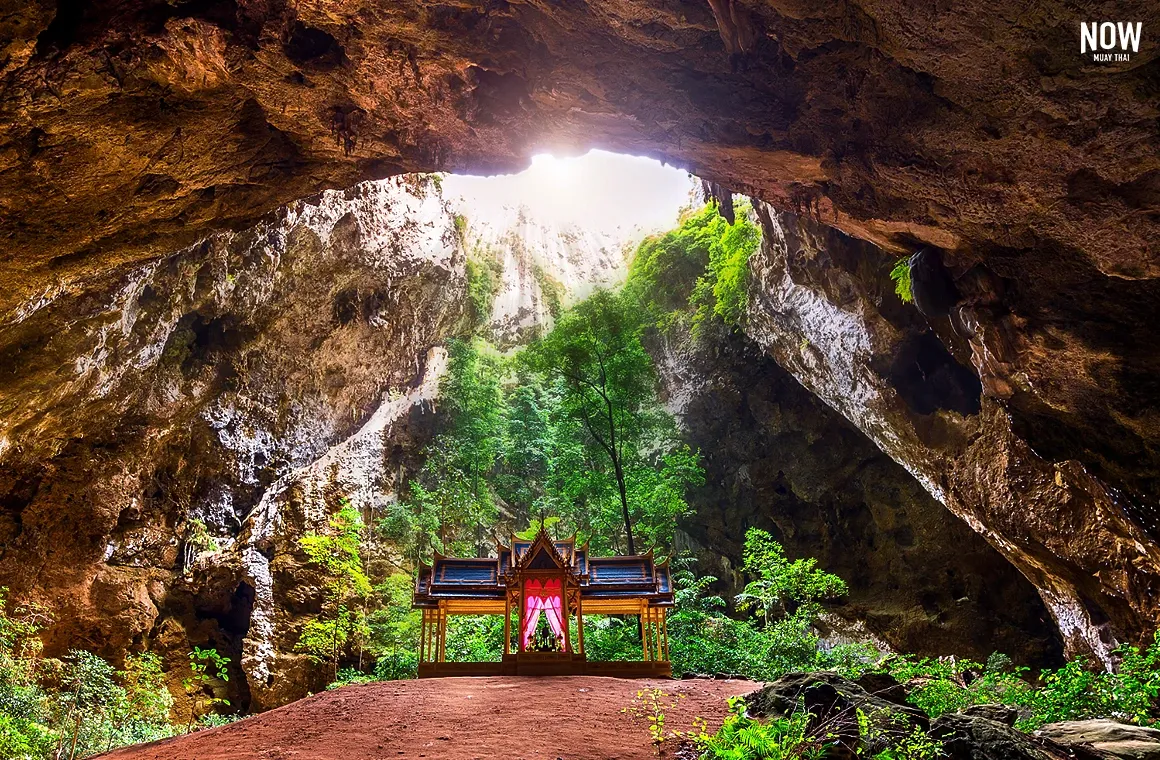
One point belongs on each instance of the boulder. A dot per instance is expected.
(1114, 739)
(972, 737)
(1004, 714)
(834, 704)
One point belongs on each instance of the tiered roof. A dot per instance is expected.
(631, 577)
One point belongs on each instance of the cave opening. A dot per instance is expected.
(929, 378)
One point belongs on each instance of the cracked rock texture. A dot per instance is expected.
(543, 267)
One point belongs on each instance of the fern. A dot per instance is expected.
(901, 276)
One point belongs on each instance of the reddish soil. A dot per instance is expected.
(573, 718)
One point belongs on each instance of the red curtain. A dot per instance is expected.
(544, 596)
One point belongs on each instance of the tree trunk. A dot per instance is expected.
(624, 505)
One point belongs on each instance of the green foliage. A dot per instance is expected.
(551, 289)
(483, 282)
(90, 708)
(744, 738)
(1075, 691)
(337, 554)
(475, 638)
(703, 639)
(618, 457)
(697, 272)
(777, 583)
(453, 500)
(206, 667)
(901, 276)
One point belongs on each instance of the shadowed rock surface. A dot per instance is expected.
(821, 305)
(778, 458)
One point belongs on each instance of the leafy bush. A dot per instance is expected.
(696, 272)
(1075, 691)
(743, 738)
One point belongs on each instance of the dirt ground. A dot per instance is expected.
(571, 718)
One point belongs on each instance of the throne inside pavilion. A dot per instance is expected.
(544, 580)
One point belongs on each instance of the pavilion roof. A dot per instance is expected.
(636, 576)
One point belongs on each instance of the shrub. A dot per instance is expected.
(1073, 692)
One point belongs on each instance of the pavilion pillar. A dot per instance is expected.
(441, 651)
(423, 637)
(665, 631)
(644, 631)
(507, 622)
(564, 593)
(580, 620)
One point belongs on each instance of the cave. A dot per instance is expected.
(928, 378)
(238, 263)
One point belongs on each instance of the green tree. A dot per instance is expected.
(394, 629)
(454, 489)
(343, 617)
(522, 481)
(610, 428)
(777, 582)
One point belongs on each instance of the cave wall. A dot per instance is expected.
(128, 129)
(777, 458)
(924, 390)
(243, 384)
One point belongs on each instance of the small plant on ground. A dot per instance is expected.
(650, 705)
(743, 738)
(205, 667)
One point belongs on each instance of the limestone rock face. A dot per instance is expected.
(172, 429)
(544, 267)
(822, 306)
(778, 458)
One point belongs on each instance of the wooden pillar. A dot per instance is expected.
(665, 630)
(507, 622)
(644, 631)
(652, 634)
(423, 637)
(442, 633)
(580, 620)
(520, 616)
(564, 612)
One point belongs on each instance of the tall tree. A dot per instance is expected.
(337, 554)
(608, 405)
(455, 481)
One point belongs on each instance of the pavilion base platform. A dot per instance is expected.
(548, 664)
